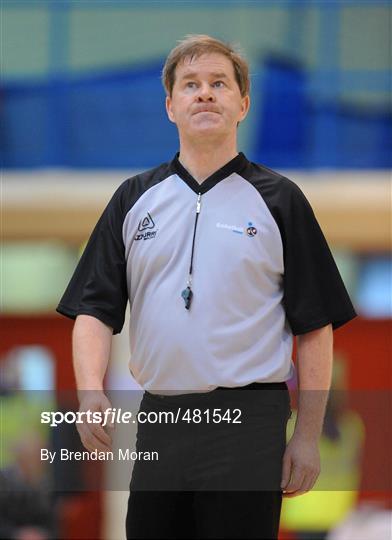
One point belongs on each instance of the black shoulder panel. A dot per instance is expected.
(314, 293)
(98, 286)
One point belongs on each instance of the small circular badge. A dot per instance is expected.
(251, 231)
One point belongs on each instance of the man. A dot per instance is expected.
(223, 262)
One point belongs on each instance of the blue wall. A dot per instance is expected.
(81, 81)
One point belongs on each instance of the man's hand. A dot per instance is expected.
(301, 466)
(91, 342)
(94, 436)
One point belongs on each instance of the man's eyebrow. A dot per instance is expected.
(194, 75)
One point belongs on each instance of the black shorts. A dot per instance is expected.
(219, 468)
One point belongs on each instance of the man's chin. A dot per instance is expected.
(207, 131)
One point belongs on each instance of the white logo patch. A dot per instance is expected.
(234, 228)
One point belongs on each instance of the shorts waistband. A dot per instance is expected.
(257, 386)
(191, 396)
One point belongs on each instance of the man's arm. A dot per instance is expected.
(301, 462)
(91, 344)
(315, 356)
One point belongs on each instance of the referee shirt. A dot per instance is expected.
(262, 272)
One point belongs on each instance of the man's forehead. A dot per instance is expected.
(213, 63)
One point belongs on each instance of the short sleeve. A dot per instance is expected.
(98, 286)
(314, 292)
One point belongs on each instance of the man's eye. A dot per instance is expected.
(219, 84)
(190, 84)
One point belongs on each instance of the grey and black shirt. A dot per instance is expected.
(261, 272)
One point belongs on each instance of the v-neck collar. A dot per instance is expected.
(234, 165)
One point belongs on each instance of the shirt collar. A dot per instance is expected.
(238, 163)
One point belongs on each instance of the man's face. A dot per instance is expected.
(206, 100)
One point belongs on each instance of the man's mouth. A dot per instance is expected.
(205, 111)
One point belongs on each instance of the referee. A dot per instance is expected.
(223, 262)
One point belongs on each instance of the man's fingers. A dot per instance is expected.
(312, 480)
(94, 438)
(297, 477)
(101, 434)
(93, 435)
(296, 491)
(307, 483)
(309, 480)
(293, 494)
(286, 471)
(92, 443)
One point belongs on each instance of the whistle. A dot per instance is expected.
(187, 296)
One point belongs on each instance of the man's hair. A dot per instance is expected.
(195, 45)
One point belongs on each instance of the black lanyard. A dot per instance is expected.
(187, 293)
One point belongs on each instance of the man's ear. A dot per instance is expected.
(169, 109)
(245, 107)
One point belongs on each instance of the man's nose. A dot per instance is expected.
(205, 93)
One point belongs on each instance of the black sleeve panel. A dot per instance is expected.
(314, 292)
(98, 286)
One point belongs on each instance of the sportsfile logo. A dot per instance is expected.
(146, 228)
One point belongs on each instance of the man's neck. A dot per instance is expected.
(201, 161)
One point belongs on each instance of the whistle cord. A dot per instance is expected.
(187, 293)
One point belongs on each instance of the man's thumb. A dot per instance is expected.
(286, 469)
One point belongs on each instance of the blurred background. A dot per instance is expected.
(82, 109)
